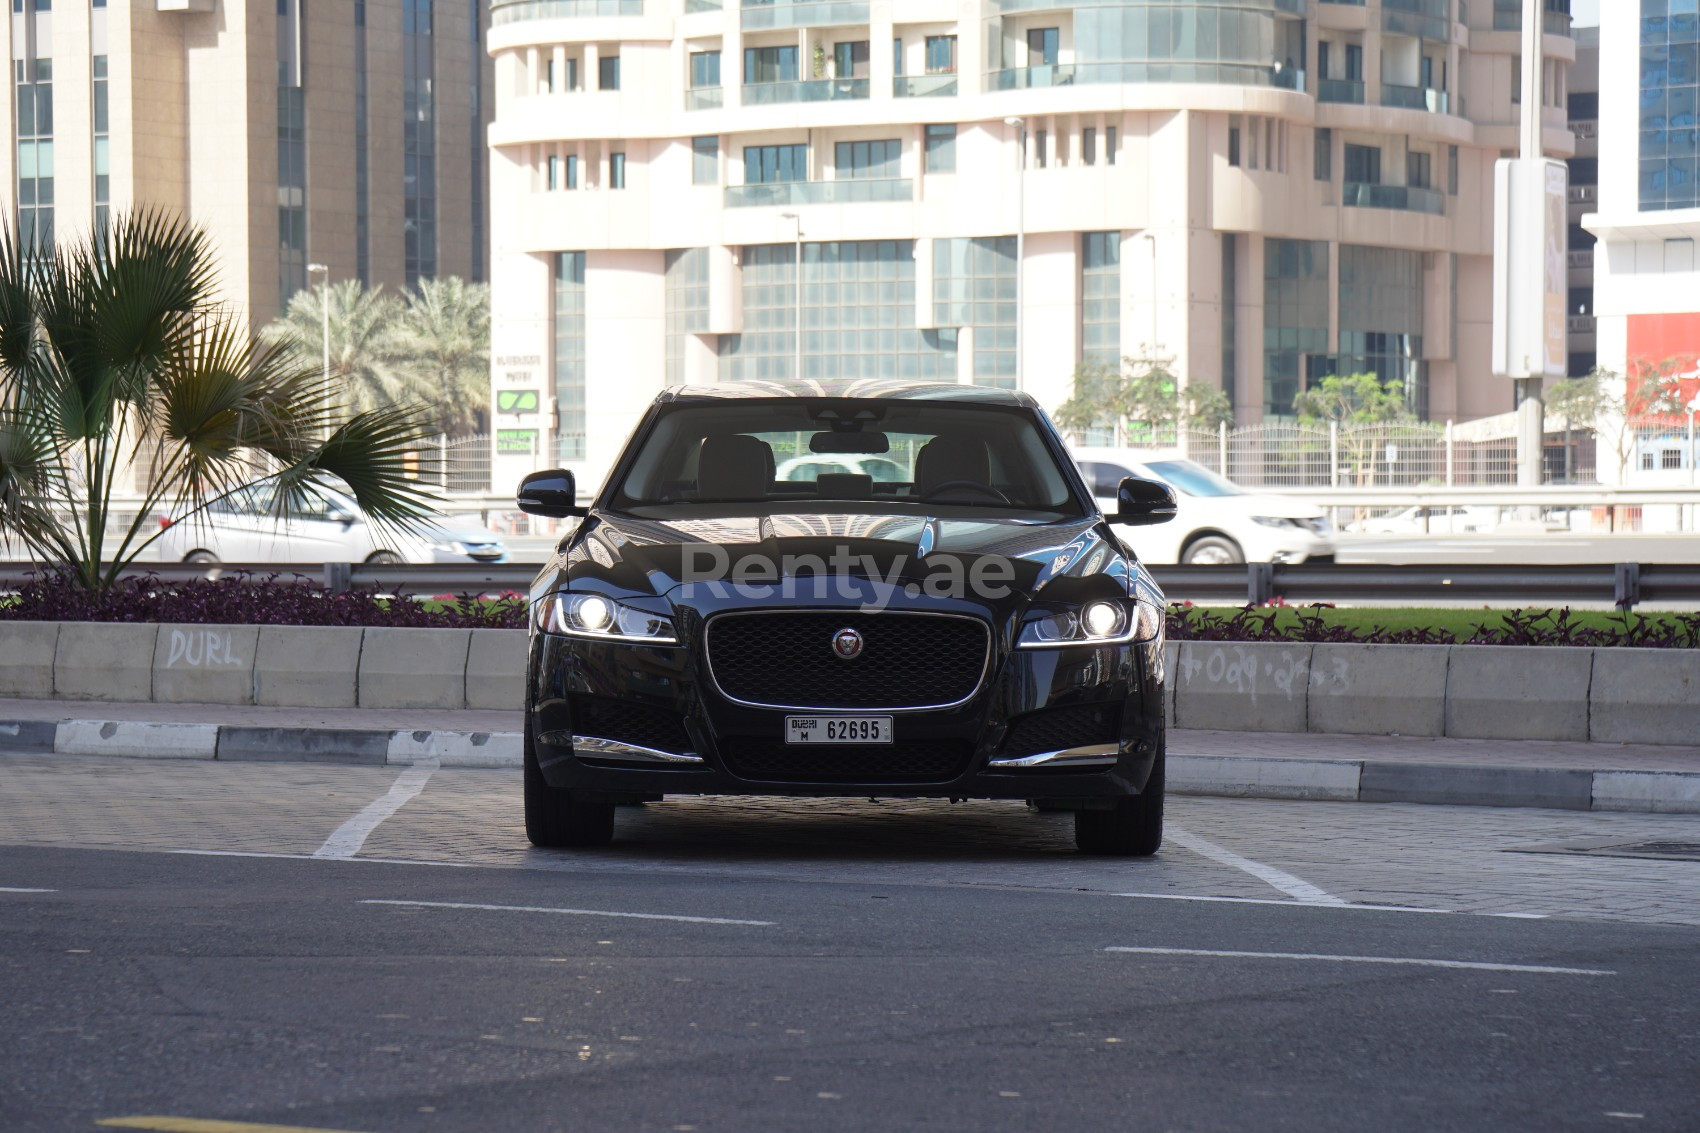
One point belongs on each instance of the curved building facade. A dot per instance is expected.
(1260, 191)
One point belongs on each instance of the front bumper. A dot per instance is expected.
(1120, 685)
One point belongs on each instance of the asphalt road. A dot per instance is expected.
(786, 966)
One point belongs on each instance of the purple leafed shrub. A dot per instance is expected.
(283, 600)
(1516, 627)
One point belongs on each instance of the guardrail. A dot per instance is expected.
(1625, 585)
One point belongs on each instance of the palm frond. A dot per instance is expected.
(379, 455)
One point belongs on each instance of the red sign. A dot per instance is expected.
(1667, 344)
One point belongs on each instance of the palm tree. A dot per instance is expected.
(360, 324)
(115, 355)
(441, 342)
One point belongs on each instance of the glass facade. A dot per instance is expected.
(419, 140)
(34, 79)
(291, 155)
(687, 305)
(102, 145)
(475, 88)
(1381, 318)
(362, 152)
(1295, 317)
(1101, 297)
(857, 314)
(974, 285)
(569, 355)
(876, 160)
(765, 165)
(705, 161)
(941, 148)
(1670, 97)
(1230, 315)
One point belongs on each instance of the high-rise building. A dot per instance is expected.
(1646, 275)
(343, 132)
(1584, 107)
(1262, 191)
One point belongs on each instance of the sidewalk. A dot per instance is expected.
(1529, 773)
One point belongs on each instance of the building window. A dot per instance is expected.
(34, 80)
(569, 355)
(1363, 165)
(1230, 318)
(941, 55)
(941, 149)
(1042, 47)
(617, 170)
(572, 170)
(770, 64)
(765, 165)
(1233, 139)
(1419, 170)
(705, 161)
(1584, 171)
(608, 72)
(1517, 79)
(974, 286)
(1041, 148)
(705, 69)
(1583, 106)
(1381, 319)
(1323, 162)
(850, 59)
(1101, 298)
(1089, 146)
(1295, 317)
(866, 160)
(419, 141)
(291, 155)
(897, 57)
(1110, 138)
(552, 179)
(1452, 170)
(858, 315)
(102, 147)
(686, 305)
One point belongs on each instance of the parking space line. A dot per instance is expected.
(1295, 887)
(201, 1125)
(347, 839)
(19, 889)
(1288, 903)
(569, 912)
(1469, 965)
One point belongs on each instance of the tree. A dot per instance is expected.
(1612, 407)
(115, 355)
(1352, 401)
(440, 342)
(1142, 399)
(360, 324)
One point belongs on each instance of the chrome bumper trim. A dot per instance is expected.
(598, 748)
(1093, 755)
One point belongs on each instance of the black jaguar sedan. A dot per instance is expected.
(856, 588)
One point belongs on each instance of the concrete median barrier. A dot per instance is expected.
(26, 662)
(137, 739)
(1645, 696)
(308, 666)
(99, 661)
(495, 669)
(205, 664)
(1378, 690)
(1505, 693)
(414, 668)
(1242, 687)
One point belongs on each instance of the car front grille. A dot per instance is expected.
(913, 761)
(786, 659)
(605, 718)
(1058, 729)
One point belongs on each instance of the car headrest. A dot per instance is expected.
(734, 467)
(944, 459)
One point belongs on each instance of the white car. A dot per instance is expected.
(1454, 519)
(243, 528)
(883, 469)
(1217, 521)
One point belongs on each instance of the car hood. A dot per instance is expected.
(1062, 561)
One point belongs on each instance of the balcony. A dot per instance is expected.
(923, 86)
(762, 14)
(1427, 19)
(806, 90)
(1415, 98)
(1579, 324)
(1584, 194)
(514, 11)
(1069, 74)
(792, 193)
(1586, 128)
(1406, 198)
(705, 98)
(1581, 260)
(1340, 90)
(693, 6)
(1552, 23)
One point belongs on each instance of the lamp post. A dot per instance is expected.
(797, 310)
(324, 313)
(1020, 124)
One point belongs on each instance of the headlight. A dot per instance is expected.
(450, 546)
(1274, 521)
(592, 615)
(1097, 623)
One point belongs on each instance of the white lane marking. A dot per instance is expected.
(316, 857)
(1470, 965)
(1295, 887)
(1292, 904)
(568, 912)
(15, 889)
(347, 839)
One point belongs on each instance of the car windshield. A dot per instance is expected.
(759, 454)
(1194, 479)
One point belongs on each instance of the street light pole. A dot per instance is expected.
(1531, 413)
(1020, 125)
(797, 310)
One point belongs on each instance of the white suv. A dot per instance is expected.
(1217, 520)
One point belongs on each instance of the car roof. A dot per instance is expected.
(884, 389)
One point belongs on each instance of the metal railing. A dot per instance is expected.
(1069, 74)
(923, 86)
(1340, 90)
(1415, 98)
(513, 11)
(804, 90)
(1409, 198)
(705, 98)
(761, 14)
(847, 191)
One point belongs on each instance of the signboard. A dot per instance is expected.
(1530, 287)
(517, 400)
(516, 442)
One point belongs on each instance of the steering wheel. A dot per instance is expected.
(966, 485)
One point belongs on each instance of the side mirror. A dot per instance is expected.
(1142, 503)
(551, 494)
(337, 515)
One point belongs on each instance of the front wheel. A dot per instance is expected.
(557, 817)
(383, 558)
(1213, 550)
(1132, 828)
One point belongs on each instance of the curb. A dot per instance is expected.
(1221, 776)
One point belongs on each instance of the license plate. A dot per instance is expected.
(838, 729)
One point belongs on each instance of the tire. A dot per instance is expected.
(1213, 550)
(200, 557)
(383, 558)
(558, 818)
(1132, 829)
